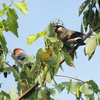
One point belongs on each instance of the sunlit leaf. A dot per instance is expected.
(32, 38)
(44, 74)
(13, 94)
(86, 89)
(48, 78)
(91, 45)
(12, 20)
(22, 6)
(2, 12)
(47, 54)
(72, 86)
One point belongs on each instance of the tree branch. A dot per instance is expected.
(77, 80)
(86, 36)
(32, 88)
(62, 60)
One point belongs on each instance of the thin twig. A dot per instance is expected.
(7, 64)
(71, 78)
(77, 80)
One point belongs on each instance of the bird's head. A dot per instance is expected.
(17, 50)
(58, 28)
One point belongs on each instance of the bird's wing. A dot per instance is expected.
(76, 34)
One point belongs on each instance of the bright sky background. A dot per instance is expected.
(40, 14)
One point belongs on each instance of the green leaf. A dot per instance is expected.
(28, 60)
(5, 94)
(40, 53)
(32, 38)
(91, 45)
(48, 77)
(2, 12)
(13, 94)
(59, 88)
(82, 28)
(12, 20)
(49, 30)
(44, 74)
(58, 62)
(0, 84)
(22, 6)
(51, 61)
(83, 6)
(3, 41)
(68, 59)
(72, 86)
(34, 67)
(94, 85)
(52, 91)
(86, 89)
(16, 74)
(23, 74)
(13, 56)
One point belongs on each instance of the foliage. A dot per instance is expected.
(48, 59)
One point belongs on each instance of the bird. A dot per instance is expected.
(68, 37)
(20, 55)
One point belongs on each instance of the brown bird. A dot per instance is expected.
(69, 37)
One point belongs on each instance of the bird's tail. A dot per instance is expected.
(80, 42)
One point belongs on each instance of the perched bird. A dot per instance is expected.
(69, 37)
(20, 55)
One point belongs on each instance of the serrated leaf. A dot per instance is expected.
(94, 85)
(52, 91)
(32, 38)
(23, 74)
(90, 46)
(68, 60)
(59, 88)
(3, 41)
(86, 89)
(28, 60)
(2, 12)
(13, 94)
(16, 74)
(83, 6)
(22, 6)
(12, 20)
